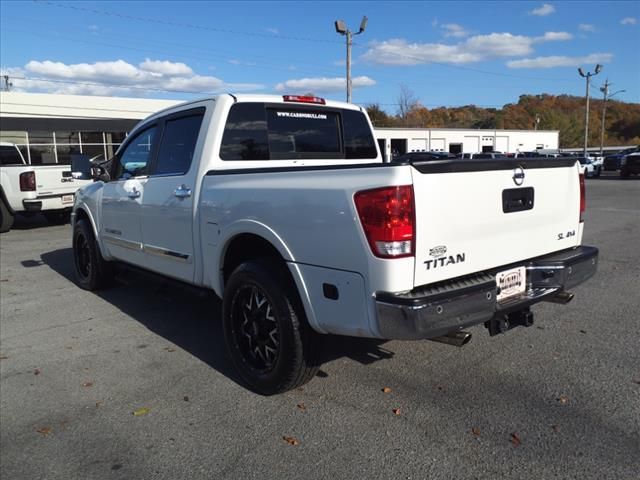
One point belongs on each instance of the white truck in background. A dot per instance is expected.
(284, 208)
(28, 189)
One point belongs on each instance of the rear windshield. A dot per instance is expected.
(10, 156)
(258, 131)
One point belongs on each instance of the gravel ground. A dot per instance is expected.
(558, 400)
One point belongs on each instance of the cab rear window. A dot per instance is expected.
(255, 131)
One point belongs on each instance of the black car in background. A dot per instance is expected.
(612, 162)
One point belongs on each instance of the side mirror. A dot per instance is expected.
(83, 169)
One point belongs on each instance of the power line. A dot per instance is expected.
(184, 25)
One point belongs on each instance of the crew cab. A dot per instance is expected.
(630, 164)
(283, 207)
(29, 189)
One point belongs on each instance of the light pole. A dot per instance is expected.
(342, 29)
(605, 91)
(588, 76)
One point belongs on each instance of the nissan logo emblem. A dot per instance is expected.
(518, 175)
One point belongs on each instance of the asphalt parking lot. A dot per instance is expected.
(135, 382)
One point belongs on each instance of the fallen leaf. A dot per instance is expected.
(291, 440)
(98, 404)
(36, 371)
(4, 280)
(87, 384)
(186, 398)
(301, 407)
(583, 331)
(141, 411)
(169, 349)
(45, 430)
(3, 357)
(555, 428)
(69, 347)
(396, 411)
(440, 388)
(563, 399)
(386, 390)
(515, 439)
(475, 431)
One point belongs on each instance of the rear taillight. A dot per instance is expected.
(583, 203)
(388, 217)
(28, 181)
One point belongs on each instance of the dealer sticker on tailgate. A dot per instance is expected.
(511, 282)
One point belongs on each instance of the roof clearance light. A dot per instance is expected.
(303, 99)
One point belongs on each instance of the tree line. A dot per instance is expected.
(550, 112)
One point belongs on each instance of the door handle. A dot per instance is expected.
(134, 193)
(182, 191)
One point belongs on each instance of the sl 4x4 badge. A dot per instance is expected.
(442, 259)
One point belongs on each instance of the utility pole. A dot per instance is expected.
(7, 83)
(535, 126)
(588, 76)
(605, 90)
(342, 29)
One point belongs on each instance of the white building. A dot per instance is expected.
(49, 128)
(458, 140)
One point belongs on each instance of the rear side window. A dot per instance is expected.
(10, 156)
(255, 131)
(178, 145)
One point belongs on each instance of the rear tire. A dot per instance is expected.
(6, 218)
(92, 271)
(265, 328)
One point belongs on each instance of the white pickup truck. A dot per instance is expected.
(284, 208)
(33, 188)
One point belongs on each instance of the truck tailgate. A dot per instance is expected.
(56, 180)
(482, 214)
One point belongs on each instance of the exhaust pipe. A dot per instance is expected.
(457, 339)
(562, 298)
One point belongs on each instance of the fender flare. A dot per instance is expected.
(263, 231)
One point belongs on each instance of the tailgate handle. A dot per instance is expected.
(517, 199)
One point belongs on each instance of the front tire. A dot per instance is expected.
(6, 218)
(266, 332)
(92, 271)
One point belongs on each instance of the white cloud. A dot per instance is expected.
(560, 61)
(275, 31)
(323, 84)
(554, 37)
(117, 78)
(629, 21)
(544, 10)
(587, 27)
(455, 30)
(473, 49)
(164, 67)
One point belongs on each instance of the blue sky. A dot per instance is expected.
(446, 53)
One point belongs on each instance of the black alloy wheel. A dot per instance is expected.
(255, 328)
(265, 328)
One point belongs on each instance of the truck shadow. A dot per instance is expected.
(193, 322)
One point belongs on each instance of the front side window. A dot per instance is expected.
(134, 159)
(178, 145)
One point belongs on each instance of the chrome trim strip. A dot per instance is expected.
(120, 242)
(168, 254)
